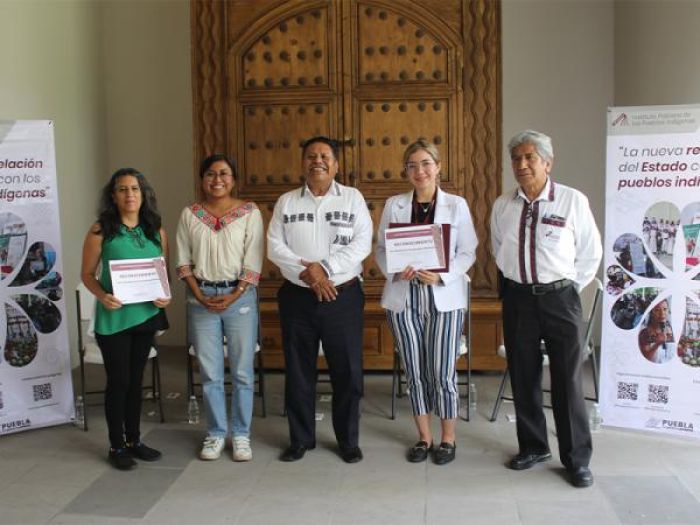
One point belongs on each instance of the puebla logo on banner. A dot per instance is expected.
(650, 370)
(35, 381)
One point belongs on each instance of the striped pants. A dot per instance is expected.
(428, 341)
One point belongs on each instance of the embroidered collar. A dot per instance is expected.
(217, 224)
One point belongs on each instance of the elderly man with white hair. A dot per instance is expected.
(547, 246)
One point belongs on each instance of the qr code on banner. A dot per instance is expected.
(658, 394)
(627, 390)
(42, 392)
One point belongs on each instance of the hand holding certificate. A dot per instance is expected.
(139, 280)
(420, 246)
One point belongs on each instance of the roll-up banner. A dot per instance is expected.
(35, 372)
(650, 370)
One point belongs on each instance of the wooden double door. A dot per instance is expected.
(376, 75)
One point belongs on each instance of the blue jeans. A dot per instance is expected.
(239, 323)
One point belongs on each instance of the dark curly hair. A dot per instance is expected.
(108, 217)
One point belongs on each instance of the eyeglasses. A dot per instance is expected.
(223, 175)
(413, 167)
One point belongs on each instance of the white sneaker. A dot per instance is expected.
(241, 449)
(211, 448)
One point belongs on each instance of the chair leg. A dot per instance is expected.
(190, 375)
(261, 384)
(82, 391)
(469, 385)
(469, 348)
(499, 399)
(153, 378)
(158, 394)
(468, 408)
(394, 377)
(594, 365)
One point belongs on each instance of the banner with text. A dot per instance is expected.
(35, 372)
(650, 370)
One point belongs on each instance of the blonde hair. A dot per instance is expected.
(418, 145)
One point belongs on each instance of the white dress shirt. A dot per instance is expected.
(450, 209)
(334, 229)
(551, 238)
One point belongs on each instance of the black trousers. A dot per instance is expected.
(125, 355)
(554, 318)
(338, 325)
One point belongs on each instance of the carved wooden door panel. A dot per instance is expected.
(284, 88)
(403, 82)
(377, 74)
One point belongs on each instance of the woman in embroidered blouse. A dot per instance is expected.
(220, 254)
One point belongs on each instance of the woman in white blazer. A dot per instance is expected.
(425, 309)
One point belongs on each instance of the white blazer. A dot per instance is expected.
(450, 209)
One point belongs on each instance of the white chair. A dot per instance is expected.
(590, 301)
(398, 381)
(90, 354)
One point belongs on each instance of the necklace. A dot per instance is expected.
(425, 206)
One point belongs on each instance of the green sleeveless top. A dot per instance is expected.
(127, 244)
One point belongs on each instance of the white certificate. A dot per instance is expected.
(139, 280)
(419, 246)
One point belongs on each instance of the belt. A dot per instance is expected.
(540, 289)
(347, 284)
(218, 284)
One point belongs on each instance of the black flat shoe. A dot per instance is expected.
(351, 454)
(581, 477)
(121, 459)
(444, 453)
(293, 453)
(142, 452)
(419, 452)
(526, 461)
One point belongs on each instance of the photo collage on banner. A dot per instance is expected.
(35, 370)
(650, 350)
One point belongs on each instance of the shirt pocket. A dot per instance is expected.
(552, 229)
(551, 235)
(340, 236)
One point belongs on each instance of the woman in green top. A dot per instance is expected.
(128, 227)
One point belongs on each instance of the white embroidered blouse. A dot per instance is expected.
(220, 249)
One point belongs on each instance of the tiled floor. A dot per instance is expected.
(59, 475)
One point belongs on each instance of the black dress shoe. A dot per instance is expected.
(444, 453)
(142, 452)
(581, 477)
(526, 461)
(351, 454)
(294, 453)
(419, 452)
(121, 459)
